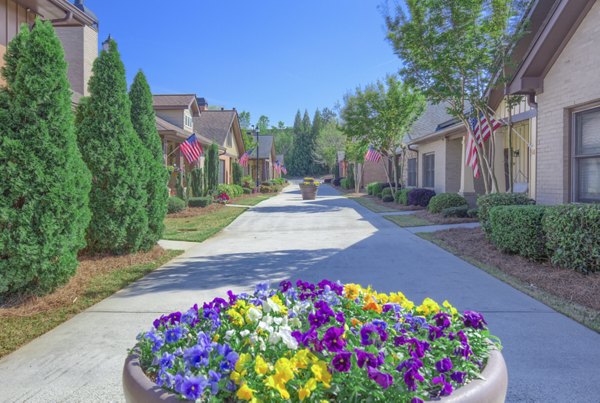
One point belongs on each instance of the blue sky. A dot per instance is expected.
(268, 57)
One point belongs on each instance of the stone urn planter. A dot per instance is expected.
(309, 192)
(138, 388)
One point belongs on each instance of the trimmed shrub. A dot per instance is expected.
(373, 188)
(113, 152)
(518, 230)
(238, 173)
(175, 205)
(445, 200)
(457, 212)
(387, 198)
(248, 182)
(211, 166)
(573, 236)
(200, 201)
(232, 191)
(387, 192)
(197, 182)
(266, 189)
(473, 213)
(402, 196)
(144, 123)
(247, 191)
(44, 183)
(420, 197)
(486, 202)
(345, 184)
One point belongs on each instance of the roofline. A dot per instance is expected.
(562, 21)
(77, 13)
(437, 134)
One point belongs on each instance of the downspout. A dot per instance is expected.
(66, 18)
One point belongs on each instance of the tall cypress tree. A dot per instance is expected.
(44, 183)
(112, 151)
(292, 163)
(317, 125)
(144, 123)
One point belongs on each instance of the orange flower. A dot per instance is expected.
(355, 322)
(372, 305)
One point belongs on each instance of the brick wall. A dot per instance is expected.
(81, 49)
(573, 80)
(374, 171)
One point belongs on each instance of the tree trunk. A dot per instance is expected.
(510, 147)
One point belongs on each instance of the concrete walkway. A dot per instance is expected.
(550, 357)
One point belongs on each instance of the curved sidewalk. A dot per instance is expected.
(550, 357)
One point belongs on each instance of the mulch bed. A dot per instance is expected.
(196, 211)
(583, 289)
(439, 219)
(89, 268)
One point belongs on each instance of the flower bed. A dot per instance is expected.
(315, 342)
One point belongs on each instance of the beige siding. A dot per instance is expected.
(453, 165)
(572, 81)
(174, 116)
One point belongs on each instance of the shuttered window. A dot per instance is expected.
(412, 172)
(429, 170)
(586, 156)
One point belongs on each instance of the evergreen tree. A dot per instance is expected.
(317, 126)
(112, 151)
(211, 167)
(144, 123)
(44, 183)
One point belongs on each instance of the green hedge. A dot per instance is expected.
(402, 196)
(344, 183)
(387, 192)
(573, 236)
(232, 191)
(486, 202)
(375, 189)
(518, 229)
(175, 205)
(473, 213)
(445, 200)
(200, 201)
(247, 191)
(459, 212)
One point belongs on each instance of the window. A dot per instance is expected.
(586, 156)
(412, 172)
(187, 120)
(428, 170)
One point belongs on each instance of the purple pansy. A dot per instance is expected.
(446, 387)
(443, 365)
(193, 387)
(384, 380)
(474, 319)
(196, 357)
(458, 376)
(174, 334)
(342, 361)
(332, 339)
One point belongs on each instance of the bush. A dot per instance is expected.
(44, 183)
(144, 123)
(200, 201)
(175, 205)
(420, 197)
(518, 229)
(573, 236)
(473, 213)
(345, 184)
(337, 181)
(402, 196)
(445, 200)
(457, 212)
(248, 182)
(116, 157)
(238, 173)
(387, 193)
(232, 191)
(486, 202)
(387, 198)
(247, 191)
(266, 189)
(211, 168)
(374, 188)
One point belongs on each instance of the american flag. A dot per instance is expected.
(284, 170)
(278, 167)
(245, 158)
(191, 149)
(372, 155)
(481, 132)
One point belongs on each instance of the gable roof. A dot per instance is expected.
(215, 124)
(434, 118)
(560, 23)
(165, 127)
(265, 146)
(176, 101)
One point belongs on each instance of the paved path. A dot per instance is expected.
(550, 357)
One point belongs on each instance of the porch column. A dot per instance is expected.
(165, 147)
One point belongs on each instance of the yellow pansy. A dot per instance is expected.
(450, 308)
(260, 366)
(428, 307)
(319, 369)
(306, 390)
(352, 291)
(372, 305)
(235, 317)
(245, 393)
(241, 362)
(383, 298)
(302, 358)
(277, 300)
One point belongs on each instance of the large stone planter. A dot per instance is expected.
(491, 389)
(309, 192)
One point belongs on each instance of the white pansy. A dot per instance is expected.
(254, 314)
(287, 338)
(274, 338)
(229, 333)
(244, 332)
(277, 321)
(295, 323)
(270, 306)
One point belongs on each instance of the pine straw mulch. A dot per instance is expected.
(438, 219)
(569, 285)
(89, 269)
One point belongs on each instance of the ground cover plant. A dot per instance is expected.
(315, 341)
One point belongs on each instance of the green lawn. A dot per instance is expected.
(371, 205)
(254, 200)
(201, 227)
(19, 330)
(408, 220)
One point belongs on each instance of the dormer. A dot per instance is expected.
(177, 109)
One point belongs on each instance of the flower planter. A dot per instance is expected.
(491, 389)
(309, 192)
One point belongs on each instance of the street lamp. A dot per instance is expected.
(257, 180)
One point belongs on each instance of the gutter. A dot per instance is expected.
(434, 135)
